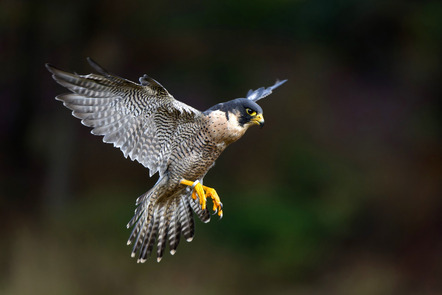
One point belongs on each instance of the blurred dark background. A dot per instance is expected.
(340, 193)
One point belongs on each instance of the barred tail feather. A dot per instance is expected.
(162, 230)
(162, 222)
(186, 219)
(203, 215)
(174, 230)
(146, 248)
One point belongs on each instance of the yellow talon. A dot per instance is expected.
(203, 192)
(217, 205)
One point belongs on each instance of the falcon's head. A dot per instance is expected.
(240, 112)
(245, 111)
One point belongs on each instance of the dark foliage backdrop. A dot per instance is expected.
(340, 193)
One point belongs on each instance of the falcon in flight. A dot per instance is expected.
(166, 136)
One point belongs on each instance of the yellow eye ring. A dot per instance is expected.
(250, 112)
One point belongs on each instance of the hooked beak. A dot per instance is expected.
(258, 120)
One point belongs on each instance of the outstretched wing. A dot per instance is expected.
(262, 92)
(140, 119)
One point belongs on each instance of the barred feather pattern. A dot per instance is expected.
(140, 119)
(163, 223)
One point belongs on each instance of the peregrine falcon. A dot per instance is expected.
(166, 136)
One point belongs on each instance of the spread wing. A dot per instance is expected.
(140, 119)
(262, 92)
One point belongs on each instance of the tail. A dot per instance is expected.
(161, 222)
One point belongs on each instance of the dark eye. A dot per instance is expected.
(250, 112)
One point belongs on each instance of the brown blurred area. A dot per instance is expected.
(340, 193)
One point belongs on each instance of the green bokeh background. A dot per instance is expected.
(340, 192)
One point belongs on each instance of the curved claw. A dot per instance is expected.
(220, 212)
(202, 193)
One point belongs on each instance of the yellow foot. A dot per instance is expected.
(204, 192)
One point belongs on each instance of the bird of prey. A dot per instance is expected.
(166, 136)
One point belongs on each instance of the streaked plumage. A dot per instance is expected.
(164, 135)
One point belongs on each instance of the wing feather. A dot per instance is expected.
(262, 92)
(140, 119)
